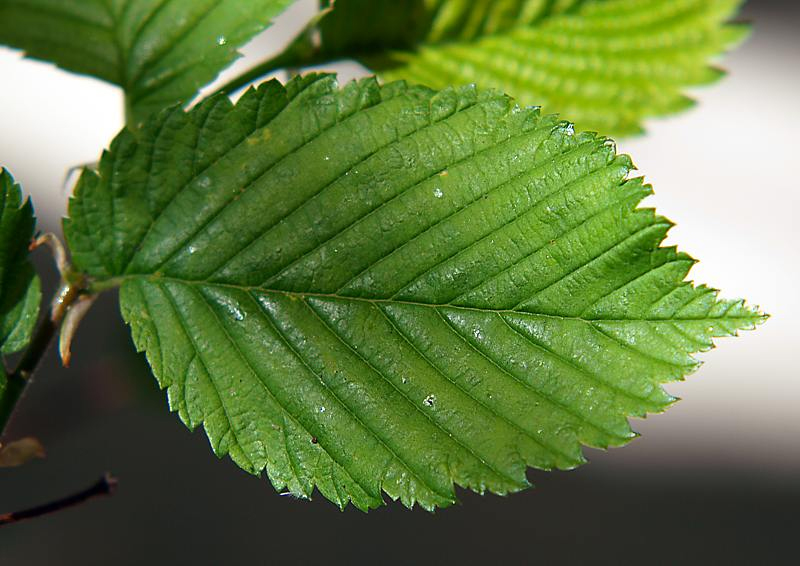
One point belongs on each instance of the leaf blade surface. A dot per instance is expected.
(392, 289)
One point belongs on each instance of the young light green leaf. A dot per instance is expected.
(20, 289)
(159, 51)
(392, 288)
(607, 64)
(471, 19)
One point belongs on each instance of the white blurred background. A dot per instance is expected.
(725, 172)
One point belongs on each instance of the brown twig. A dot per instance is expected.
(104, 486)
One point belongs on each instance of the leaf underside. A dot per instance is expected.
(607, 64)
(159, 51)
(391, 288)
(20, 289)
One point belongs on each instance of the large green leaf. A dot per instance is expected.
(607, 64)
(392, 288)
(160, 51)
(20, 289)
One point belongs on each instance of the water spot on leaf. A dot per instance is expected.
(232, 308)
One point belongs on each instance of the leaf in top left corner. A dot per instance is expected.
(160, 52)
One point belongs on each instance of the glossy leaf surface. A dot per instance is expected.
(392, 289)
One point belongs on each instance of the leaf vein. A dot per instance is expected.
(551, 449)
(435, 424)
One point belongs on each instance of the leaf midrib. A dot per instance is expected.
(106, 284)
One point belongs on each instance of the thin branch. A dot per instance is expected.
(104, 486)
(71, 289)
(19, 379)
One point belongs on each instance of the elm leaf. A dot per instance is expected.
(390, 288)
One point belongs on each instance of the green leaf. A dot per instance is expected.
(372, 31)
(471, 19)
(607, 64)
(159, 51)
(20, 289)
(364, 26)
(392, 288)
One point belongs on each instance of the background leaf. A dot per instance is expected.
(20, 452)
(364, 26)
(159, 51)
(607, 64)
(470, 19)
(392, 288)
(20, 288)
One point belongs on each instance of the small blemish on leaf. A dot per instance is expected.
(263, 137)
